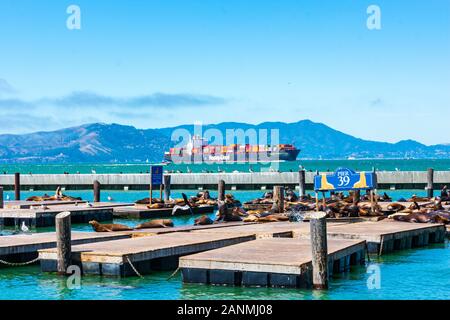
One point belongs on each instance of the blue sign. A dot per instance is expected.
(344, 179)
(157, 175)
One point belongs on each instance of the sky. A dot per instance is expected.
(161, 63)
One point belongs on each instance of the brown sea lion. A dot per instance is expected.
(108, 227)
(396, 207)
(159, 223)
(273, 218)
(251, 218)
(203, 220)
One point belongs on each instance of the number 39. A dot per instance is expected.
(344, 181)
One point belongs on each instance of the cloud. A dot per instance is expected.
(5, 87)
(15, 103)
(87, 99)
(377, 102)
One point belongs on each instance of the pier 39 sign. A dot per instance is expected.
(344, 179)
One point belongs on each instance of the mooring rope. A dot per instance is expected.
(18, 264)
(174, 273)
(367, 252)
(381, 246)
(134, 269)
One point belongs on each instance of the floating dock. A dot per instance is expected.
(45, 217)
(24, 247)
(141, 212)
(391, 235)
(268, 262)
(386, 236)
(143, 254)
(22, 204)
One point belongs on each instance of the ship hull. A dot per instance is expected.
(285, 155)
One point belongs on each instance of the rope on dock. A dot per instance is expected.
(134, 269)
(367, 252)
(18, 264)
(381, 246)
(174, 273)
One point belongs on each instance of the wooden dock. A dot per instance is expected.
(120, 257)
(386, 236)
(22, 204)
(24, 247)
(268, 262)
(45, 217)
(392, 235)
(136, 212)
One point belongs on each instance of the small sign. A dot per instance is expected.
(157, 175)
(344, 179)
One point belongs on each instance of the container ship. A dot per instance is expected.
(197, 150)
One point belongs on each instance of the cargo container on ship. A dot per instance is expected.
(197, 150)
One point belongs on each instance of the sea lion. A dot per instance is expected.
(291, 196)
(396, 207)
(159, 223)
(108, 227)
(273, 218)
(251, 218)
(183, 209)
(155, 206)
(202, 221)
(226, 214)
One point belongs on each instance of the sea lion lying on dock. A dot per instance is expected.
(58, 196)
(108, 227)
(396, 207)
(203, 221)
(147, 201)
(159, 223)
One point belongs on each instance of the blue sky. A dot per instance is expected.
(162, 63)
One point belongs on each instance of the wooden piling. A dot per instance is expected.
(97, 188)
(302, 183)
(318, 229)
(63, 242)
(1, 198)
(17, 185)
(166, 188)
(430, 182)
(221, 190)
(278, 198)
(356, 196)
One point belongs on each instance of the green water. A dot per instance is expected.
(411, 274)
(321, 165)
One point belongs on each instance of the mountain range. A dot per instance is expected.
(101, 143)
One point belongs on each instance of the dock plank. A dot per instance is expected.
(264, 260)
(142, 252)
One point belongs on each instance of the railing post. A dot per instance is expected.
(166, 188)
(302, 183)
(17, 185)
(430, 183)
